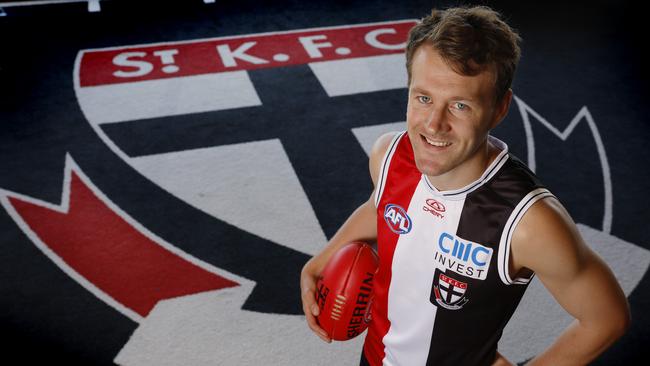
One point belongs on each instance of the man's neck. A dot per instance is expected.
(468, 171)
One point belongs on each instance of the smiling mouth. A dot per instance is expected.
(436, 143)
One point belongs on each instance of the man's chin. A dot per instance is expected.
(429, 170)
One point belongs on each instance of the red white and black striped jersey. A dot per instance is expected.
(443, 293)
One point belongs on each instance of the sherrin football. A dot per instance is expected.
(344, 291)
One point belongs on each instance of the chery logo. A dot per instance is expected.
(434, 207)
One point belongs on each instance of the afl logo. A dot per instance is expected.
(397, 219)
(434, 207)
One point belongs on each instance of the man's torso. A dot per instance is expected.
(443, 292)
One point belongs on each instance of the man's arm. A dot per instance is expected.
(548, 242)
(361, 225)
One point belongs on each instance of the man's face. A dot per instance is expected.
(448, 119)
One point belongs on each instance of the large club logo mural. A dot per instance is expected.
(256, 132)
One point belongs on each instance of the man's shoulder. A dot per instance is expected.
(383, 142)
(545, 233)
(514, 180)
(378, 151)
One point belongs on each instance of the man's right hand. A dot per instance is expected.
(361, 225)
(308, 279)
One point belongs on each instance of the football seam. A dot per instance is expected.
(345, 285)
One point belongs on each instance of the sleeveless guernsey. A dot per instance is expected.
(443, 293)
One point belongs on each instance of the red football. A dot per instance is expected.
(344, 291)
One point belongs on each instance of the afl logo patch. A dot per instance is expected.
(397, 219)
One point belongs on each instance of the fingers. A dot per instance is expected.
(311, 310)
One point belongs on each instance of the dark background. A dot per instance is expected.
(574, 54)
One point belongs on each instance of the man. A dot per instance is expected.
(461, 225)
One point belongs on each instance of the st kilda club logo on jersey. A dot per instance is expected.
(448, 292)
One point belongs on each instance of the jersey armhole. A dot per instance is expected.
(506, 236)
(385, 165)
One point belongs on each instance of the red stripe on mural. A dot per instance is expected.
(128, 64)
(112, 254)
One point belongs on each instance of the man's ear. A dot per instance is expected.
(502, 108)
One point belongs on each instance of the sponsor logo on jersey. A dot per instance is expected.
(434, 207)
(462, 256)
(448, 292)
(397, 219)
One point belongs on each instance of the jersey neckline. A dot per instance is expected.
(489, 172)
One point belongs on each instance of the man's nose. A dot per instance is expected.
(436, 120)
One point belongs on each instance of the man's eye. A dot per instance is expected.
(423, 99)
(460, 106)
